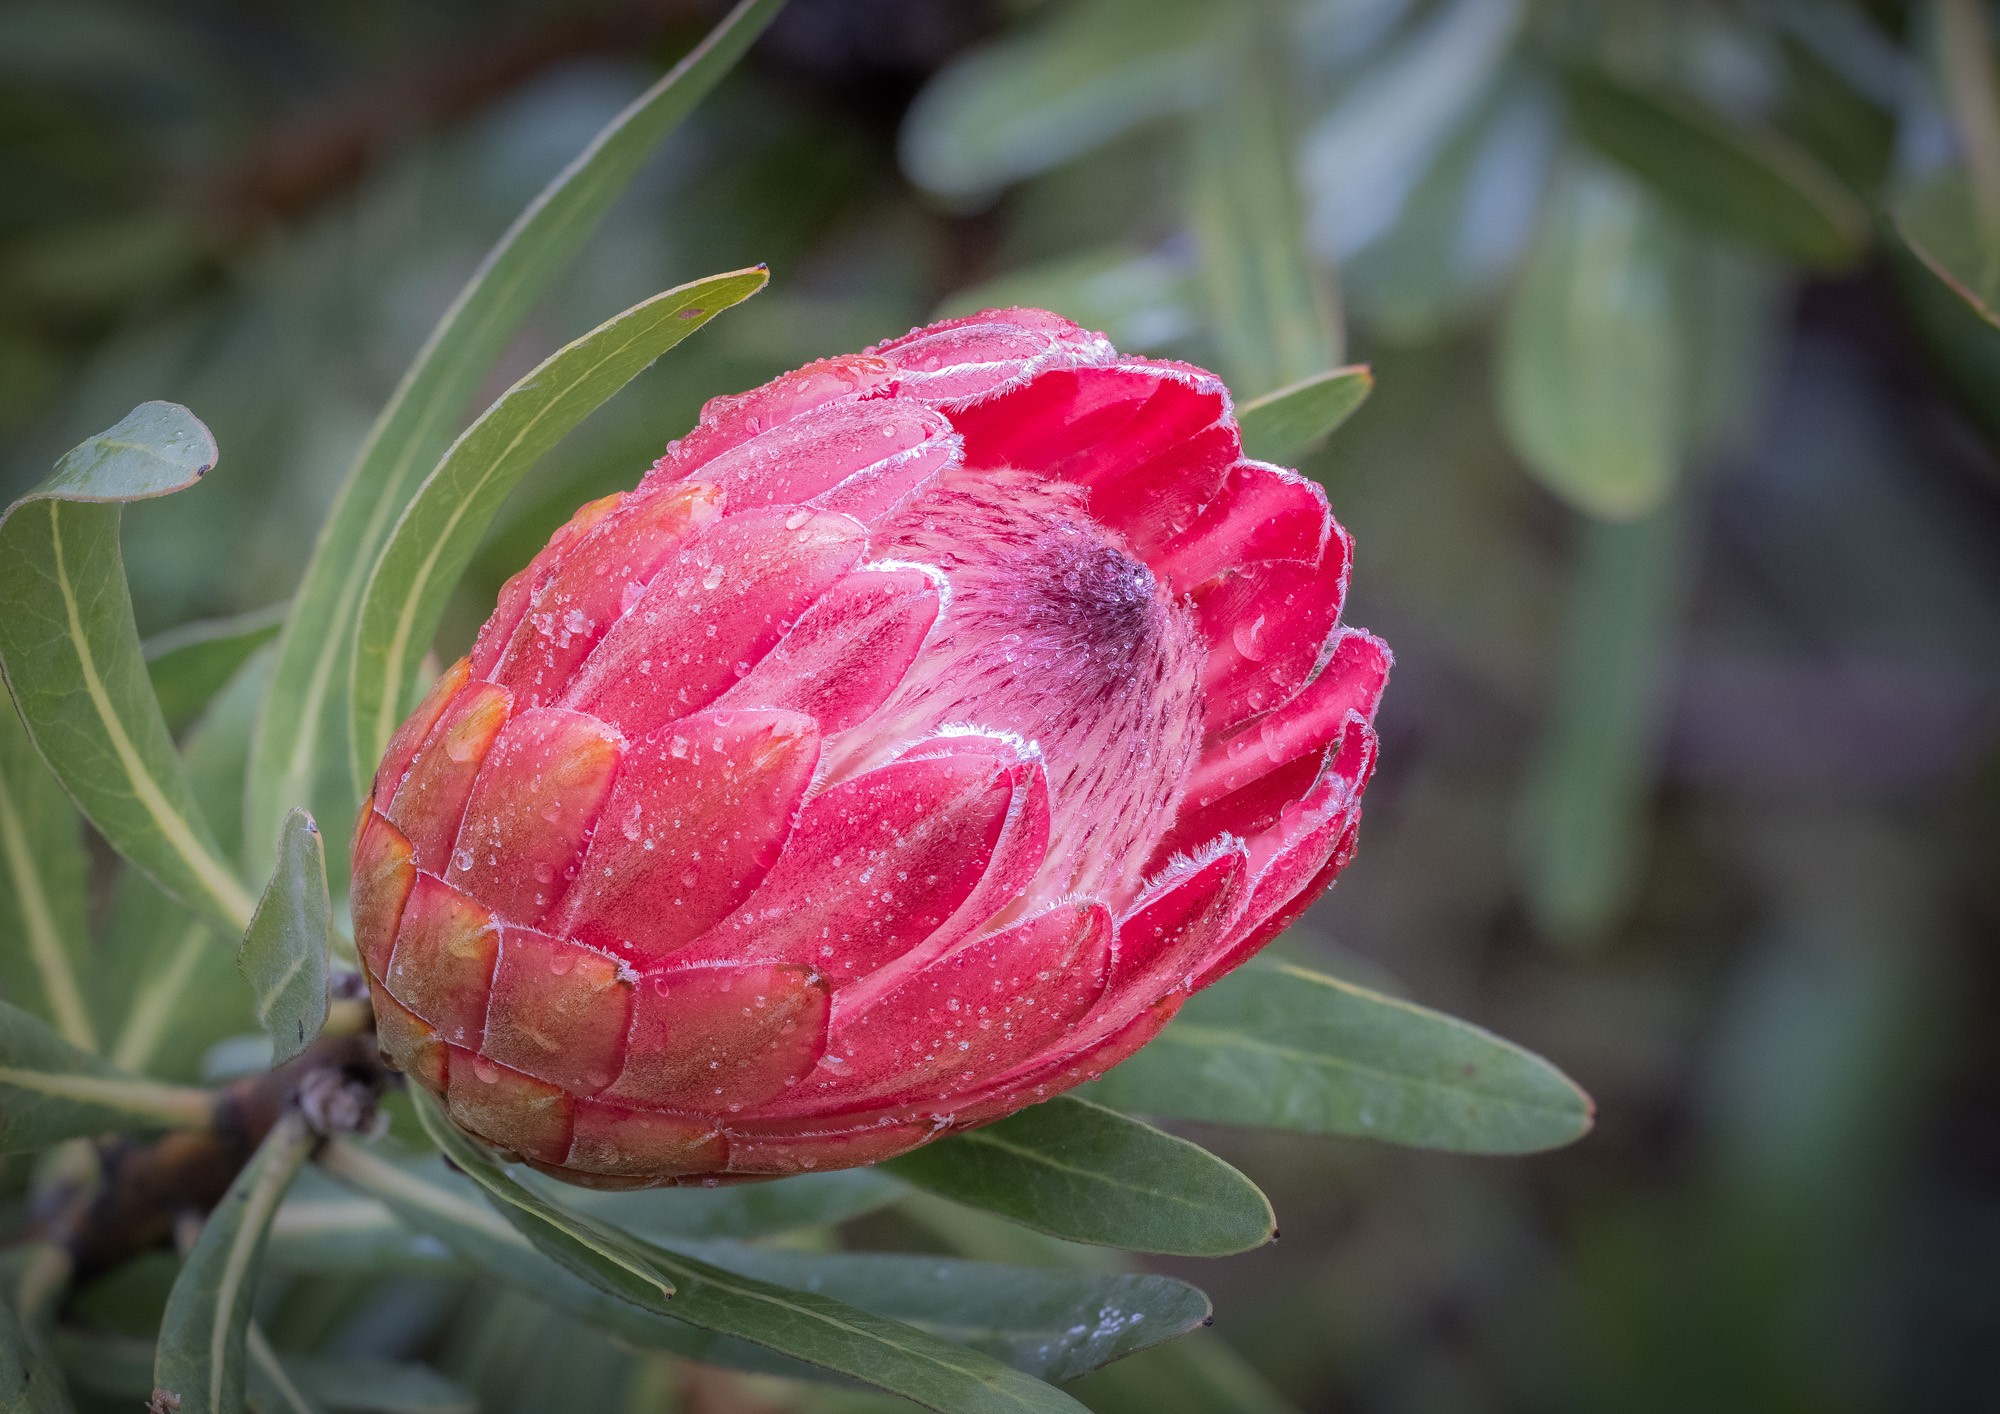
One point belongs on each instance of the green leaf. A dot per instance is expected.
(1192, 1376)
(301, 752)
(452, 1209)
(1052, 1324)
(743, 1210)
(1940, 223)
(1285, 1047)
(269, 1386)
(284, 954)
(1090, 1174)
(202, 1354)
(1591, 359)
(51, 1091)
(1584, 814)
(595, 1251)
(1269, 308)
(327, 1230)
(29, 1381)
(1748, 182)
(1139, 301)
(1025, 104)
(435, 540)
(189, 665)
(70, 653)
(42, 887)
(1283, 425)
(801, 1325)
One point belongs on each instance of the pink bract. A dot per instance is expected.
(905, 749)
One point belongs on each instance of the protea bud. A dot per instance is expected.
(921, 732)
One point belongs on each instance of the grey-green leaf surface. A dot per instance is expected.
(595, 1251)
(1285, 1047)
(1029, 102)
(1749, 182)
(301, 752)
(285, 952)
(1090, 1174)
(1270, 309)
(1591, 359)
(1288, 422)
(803, 1325)
(29, 1380)
(270, 1387)
(325, 1232)
(1587, 801)
(451, 1208)
(51, 1091)
(190, 664)
(70, 653)
(42, 888)
(1053, 1324)
(443, 525)
(744, 1209)
(203, 1335)
(1940, 222)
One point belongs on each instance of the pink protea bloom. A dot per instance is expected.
(906, 748)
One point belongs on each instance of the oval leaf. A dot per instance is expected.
(51, 1091)
(42, 887)
(70, 653)
(1282, 1046)
(1081, 1171)
(203, 1335)
(301, 752)
(746, 1209)
(1283, 425)
(444, 524)
(1591, 358)
(1751, 183)
(284, 954)
(189, 665)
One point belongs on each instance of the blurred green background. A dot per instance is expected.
(1677, 497)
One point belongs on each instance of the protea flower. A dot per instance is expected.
(926, 726)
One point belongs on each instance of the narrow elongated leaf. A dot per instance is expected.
(190, 664)
(1023, 105)
(1192, 1376)
(435, 540)
(1269, 306)
(1748, 182)
(285, 952)
(203, 1343)
(595, 1251)
(1284, 425)
(269, 1387)
(1591, 360)
(42, 883)
(742, 1210)
(70, 653)
(324, 1233)
(29, 1381)
(1279, 1045)
(1585, 807)
(1053, 1324)
(801, 1324)
(51, 1091)
(301, 752)
(1081, 1171)
(1940, 222)
(454, 1210)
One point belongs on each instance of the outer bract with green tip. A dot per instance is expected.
(918, 735)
